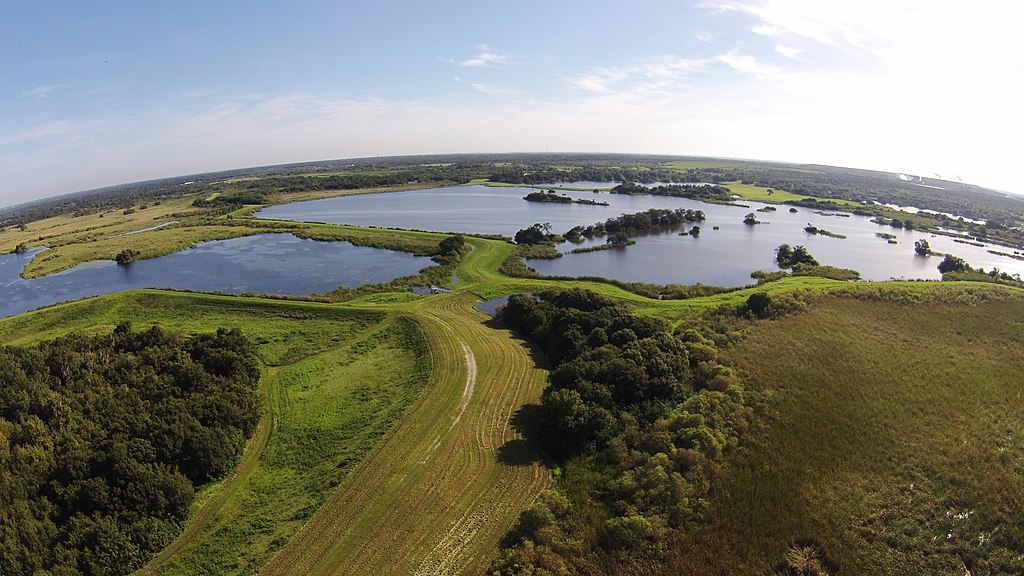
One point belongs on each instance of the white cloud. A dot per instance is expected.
(486, 57)
(599, 80)
(788, 51)
(749, 65)
(665, 74)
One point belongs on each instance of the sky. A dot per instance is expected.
(101, 93)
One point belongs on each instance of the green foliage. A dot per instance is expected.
(535, 234)
(646, 413)
(787, 257)
(763, 277)
(451, 244)
(952, 263)
(832, 272)
(550, 197)
(758, 303)
(127, 255)
(921, 247)
(104, 439)
(814, 230)
(701, 192)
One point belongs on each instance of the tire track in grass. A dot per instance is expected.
(434, 496)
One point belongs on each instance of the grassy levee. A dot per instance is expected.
(444, 486)
(895, 443)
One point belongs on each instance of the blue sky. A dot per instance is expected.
(94, 94)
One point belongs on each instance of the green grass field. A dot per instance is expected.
(760, 194)
(895, 443)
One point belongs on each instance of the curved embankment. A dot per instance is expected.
(436, 495)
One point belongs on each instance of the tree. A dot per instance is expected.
(922, 248)
(953, 264)
(750, 219)
(536, 234)
(127, 255)
(758, 303)
(452, 244)
(787, 257)
(618, 239)
(695, 231)
(21, 248)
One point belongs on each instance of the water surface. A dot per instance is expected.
(264, 263)
(724, 257)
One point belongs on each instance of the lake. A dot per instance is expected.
(264, 263)
(723, 257)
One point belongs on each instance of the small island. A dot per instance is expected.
(552, 198)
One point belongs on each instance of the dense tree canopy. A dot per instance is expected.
(642, 413)
(104, 439)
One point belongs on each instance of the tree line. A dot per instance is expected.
(104, 440)
(639, 418)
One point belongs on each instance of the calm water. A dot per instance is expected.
(265, 263)
(724, 257)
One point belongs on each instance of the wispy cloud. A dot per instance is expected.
(42, 91)
(599, 80)
(788, 51)
(831, 23)
(486, 57)
(47, 130)
(655, 74)
(491, 89)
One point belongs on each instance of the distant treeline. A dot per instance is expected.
(104, 440)
(1000, 211)
(696, 192)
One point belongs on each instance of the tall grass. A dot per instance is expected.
(896, 444)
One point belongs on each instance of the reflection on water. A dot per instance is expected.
(724, 257)
(264, 263)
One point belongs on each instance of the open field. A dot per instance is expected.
(895, 445)
(760, 194)
(95, 226)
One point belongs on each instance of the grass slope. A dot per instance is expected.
(897, 443)
(440, 491)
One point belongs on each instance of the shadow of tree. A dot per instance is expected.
(524, 451)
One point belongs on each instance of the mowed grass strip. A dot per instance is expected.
(444, 486)
(329, 410)
(896, 444)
